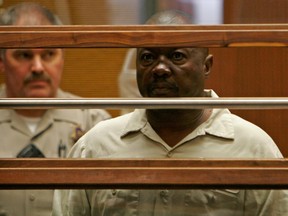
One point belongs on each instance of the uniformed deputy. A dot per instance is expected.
(36, 73)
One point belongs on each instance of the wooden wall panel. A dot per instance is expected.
(93, 72)
(256, 11)
(255, 72)
(89, 12)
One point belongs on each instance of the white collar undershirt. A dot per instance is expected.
(31, 122)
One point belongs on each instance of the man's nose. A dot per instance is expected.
(37, 65)
(161, 69)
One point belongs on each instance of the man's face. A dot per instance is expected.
(171, 72)
(32, 72)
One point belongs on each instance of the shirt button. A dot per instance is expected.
(32, 197)
(169, 154)
(114, 192)
(164, 193)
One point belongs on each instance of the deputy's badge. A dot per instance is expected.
(77, 133)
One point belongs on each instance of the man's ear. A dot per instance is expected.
(208, 63)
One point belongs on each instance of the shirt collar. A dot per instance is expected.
(67, 115)
(136, 121)
(219, 124)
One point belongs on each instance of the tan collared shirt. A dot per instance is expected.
(223, 135)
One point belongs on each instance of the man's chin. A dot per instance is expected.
(162, 92)
(38, 94)
(162, 95)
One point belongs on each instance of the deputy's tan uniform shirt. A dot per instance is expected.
(223, 135)
(57, 127)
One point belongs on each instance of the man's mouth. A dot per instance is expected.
(162, 90)
(37, 83)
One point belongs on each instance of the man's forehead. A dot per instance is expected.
(38, 50)
(35, 19)
(168, 49)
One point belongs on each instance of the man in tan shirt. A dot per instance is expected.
(174, 133)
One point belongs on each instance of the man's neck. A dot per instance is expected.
(173, 125)
(31, 113)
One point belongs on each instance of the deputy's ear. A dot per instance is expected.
(208, 63)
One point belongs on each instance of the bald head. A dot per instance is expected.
(174, 17)
(28, 14)
(170, 17)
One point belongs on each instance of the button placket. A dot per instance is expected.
(32, 197)
(164, 194)
(169, 154)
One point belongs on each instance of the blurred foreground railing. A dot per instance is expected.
(98, 36)
(149, 103)
(144, 173)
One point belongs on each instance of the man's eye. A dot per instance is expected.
(177, 56)
(23, 55)
(147, 58)
(48, 55)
